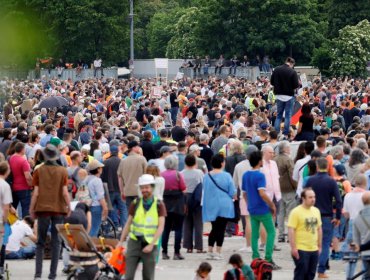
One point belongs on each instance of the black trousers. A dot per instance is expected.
(173, 222)
(217, 233)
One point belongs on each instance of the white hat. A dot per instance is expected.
(194, 148)
(146, 179)
(363, 107)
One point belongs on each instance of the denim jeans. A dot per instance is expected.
(119, 207)
(282, 107)
(268, 223)
(96, 216)
(174, 112)
(23, 253)
(24, 198)
(173, 222)
(351, 266)
(43, 224)
(327, 236)
(305, 266)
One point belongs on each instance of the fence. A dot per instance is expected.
(72, 74)
(14, 74)
(250, 72)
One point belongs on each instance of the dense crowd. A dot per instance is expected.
(203, 150)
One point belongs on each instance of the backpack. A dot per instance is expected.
(234, 274)
(72, 182)
(262, 269)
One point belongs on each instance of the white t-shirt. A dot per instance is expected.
(19, 231)
(353, 204)
(298, 173)
(5, 196)
(97, 63)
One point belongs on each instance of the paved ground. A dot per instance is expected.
(184, 270)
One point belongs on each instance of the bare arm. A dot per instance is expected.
(6, 208)
(266, 199)
(293, 247)
(104, 205)
(28, 178)
(126, 229)
(89, 218)
(159, 231)
(319, 231)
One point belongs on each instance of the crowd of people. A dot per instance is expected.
(204, 150)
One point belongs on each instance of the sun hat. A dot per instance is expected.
(50, 152)
(94, 164)
(146, 179)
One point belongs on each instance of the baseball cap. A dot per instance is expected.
(55, 141)
(340, 169)
(164, 149)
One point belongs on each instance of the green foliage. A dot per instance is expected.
(71, 29)
(351, 50)
(322, 58)
(160, 31)
(346, 12)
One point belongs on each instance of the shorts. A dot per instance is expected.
(243, 207)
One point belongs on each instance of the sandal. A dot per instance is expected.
(189, 251)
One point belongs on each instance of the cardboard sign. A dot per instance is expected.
(161, 63)
(304, 80)
(156, 92)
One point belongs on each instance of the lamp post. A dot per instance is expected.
(131, 15)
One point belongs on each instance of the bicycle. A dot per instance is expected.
(108, 229)
(352, 257)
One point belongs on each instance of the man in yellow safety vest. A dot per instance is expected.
(144, 227)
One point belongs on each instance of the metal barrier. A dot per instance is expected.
(72, 74)
(14, 74)
(250, 73)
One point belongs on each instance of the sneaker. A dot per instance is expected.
(281, 240)
(210, 256)
(277, 248)
(67, 270)
(178, 257)
(218, 257)
(165, 256)
(275, 266)
(262, 247)
(246, 249)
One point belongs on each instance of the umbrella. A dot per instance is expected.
(53, 102)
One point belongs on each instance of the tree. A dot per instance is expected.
(276, 30)
(346, 12)
(161, 29)
(322, 58)
(352, 50)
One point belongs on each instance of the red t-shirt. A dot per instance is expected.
(19, 165)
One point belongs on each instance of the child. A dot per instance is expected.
(240, 270)
(203, 271)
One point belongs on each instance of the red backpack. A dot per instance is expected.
(262, 269)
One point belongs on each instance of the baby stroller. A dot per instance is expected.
(87, 261)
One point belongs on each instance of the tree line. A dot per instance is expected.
(308, 30)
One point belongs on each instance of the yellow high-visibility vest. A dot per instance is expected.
(145, 223)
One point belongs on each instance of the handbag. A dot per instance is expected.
(83, 195)
(118, 260)
(12, 218)
(236, 202)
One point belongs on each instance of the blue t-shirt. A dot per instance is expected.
(252, 182)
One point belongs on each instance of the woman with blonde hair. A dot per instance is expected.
(153, 170)
(77, 120)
